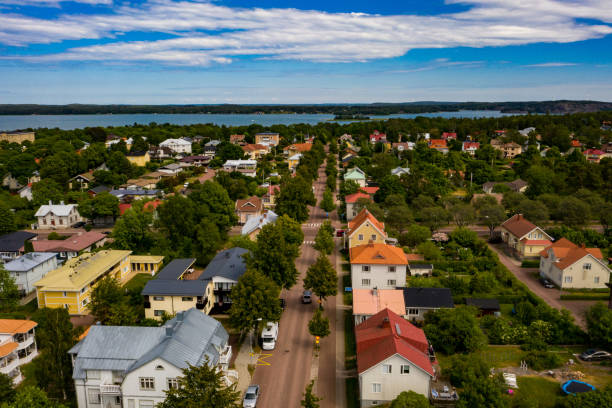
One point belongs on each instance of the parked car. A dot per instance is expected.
(250, 397)
(78, 224)
(307, 296)
(339, 232)
(269, 335)
(546, 283)
(595, 355)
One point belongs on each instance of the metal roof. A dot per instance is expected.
(428, 297)
(175, 268)
(28, 261)
(175, 287)
(229, 264)
(13, 241)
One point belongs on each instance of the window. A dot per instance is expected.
(365, 282)
(376, 387)
(147, 383)
(587, 266)
(85, 301)
(93, 396)
(386, 368)
(361, 237)
(187, 299)
(158, 298)
(568, 279)
(405, 369)
(173, 383)
(391, 282)
(83, 289)
(392, 269)
(158, 313)
(365, 268)
(145, 404)
(596, 279)
(64, 294)
(373, 237)
(159, 367)
(413, 311)
(117, 400)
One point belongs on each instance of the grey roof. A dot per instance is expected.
(258, 222)
(11, 242)
(175, 287)
(229, 264)
(175, 268)
(127, 191)
(484, 304)
(428, 297)
(420, 266)
(213, 143)
(28, 261)
(172, 166)
(99, 189)
(189, 338)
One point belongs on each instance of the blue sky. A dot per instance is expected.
(293, 51)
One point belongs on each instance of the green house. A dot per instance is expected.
(357, 175)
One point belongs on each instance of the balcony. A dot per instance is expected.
(9, 364)
(24, 341)
(110, 389)
(25, 356)
(225, 355)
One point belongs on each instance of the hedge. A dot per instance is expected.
(530, 263)
(585, 296)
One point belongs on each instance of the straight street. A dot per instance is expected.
(284, 374)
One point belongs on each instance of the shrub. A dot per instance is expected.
(542, 360)
(466, 368)
(530, 263)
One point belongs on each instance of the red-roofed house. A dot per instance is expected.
(71, 246)
(525, 238)
(576, 143)
(568, 265)
(594, 155)
(438, 144)
(449, 135)
(249, 208)
(378, 137)
(365, 228)
(379, 266)
(393, 356)
(297, 148)
(352, 209)
(470, 147)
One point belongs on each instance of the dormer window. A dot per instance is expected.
(159, 367)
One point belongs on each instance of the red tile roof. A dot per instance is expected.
(251, 204)
(123, 207)
(437, 143)
(352, 198)
(369, 190)
(386, 334)
(363, 216)
(518, 225)
(14, 326)
(380, 254)
(569, 253)
(74, 243)
(449, 135)
(299, 147)
(253, 147)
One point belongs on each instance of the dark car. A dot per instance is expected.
(339, 232)
(282, 303)
(546, 283)
(595, 355)
(307, 296)
(78, 224)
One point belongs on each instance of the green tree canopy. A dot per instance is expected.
(9, 293)
(105, 297)
(321, 278)
(410, 399)
(319, 324)
(491, 216)
(294, 197)
(327, 203)
(310, 399)
(31, 397)
(254, 297)
(454, 330)
(7, 219)
(599, 325)
(274, 256)
(324, 240)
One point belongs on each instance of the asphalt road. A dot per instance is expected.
(285, 372)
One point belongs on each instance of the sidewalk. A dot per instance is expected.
(241, 365)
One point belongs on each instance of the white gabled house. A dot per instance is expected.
(57, 216)
(177, 145)
(377, 266)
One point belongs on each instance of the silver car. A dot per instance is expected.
(250, 397)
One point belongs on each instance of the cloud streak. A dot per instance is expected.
(204, 33)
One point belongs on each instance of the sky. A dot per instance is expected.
(296, 51)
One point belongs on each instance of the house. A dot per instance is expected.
(524, 238)
(378, 137)
(196, 161)
(172, 168)
(357, 175)
(518, 186)
(293, 161)
(250, 207)
(81, 181)
(123, 366)
(17, 137)
(352, 205)
(141, 183)
(470, 147)
(255, 151)
(399, 171)
(30, 268)
(26, 192)
(365, 228)
(449, 135)
(269, 198)
(11, 182)
(571, 266)
(160, 152)
(420, 301)
(57, 216)
(594, 155)
(267, 138)
(17, 346)
(246, 167)
(70, 285)
(347, 158)
(254, 224)
(176, 289)
(296, 148)
(135, 193)
(237, 139)
(403, 146)
(378, 266)
(224, 271)
(368, 302)
(420, 269)
(485, 306)
(177, 145)
(72, 246)
(210, 148)
(11, 244)
(439, 145)
(525, 132)
(392, 356)
(97, 190)
(149, 264)
(138, 158)
(509, 150)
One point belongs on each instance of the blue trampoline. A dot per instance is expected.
(573, 387)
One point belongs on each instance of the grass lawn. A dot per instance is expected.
(506, 309)
(538, 389)
(138, 281)
(503, 356)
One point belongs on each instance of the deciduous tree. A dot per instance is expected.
(319, 324)
(491, 216)
(327, 203)
(310, 399)
(7, 220)
(9, 293)
(254, 297)
(410, 399)
(104, 298)
(324, 241)
(321, 278)
(454, 330)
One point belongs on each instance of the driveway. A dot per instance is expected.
(551, 296)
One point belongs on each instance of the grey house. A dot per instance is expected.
(224, 271)
(30, 268)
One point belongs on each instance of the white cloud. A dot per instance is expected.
(551, 65)
(205, 33)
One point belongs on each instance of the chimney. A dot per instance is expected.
(385, 322)
(50, 202)
(583, 245)
(374, 292)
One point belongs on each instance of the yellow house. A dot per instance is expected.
(139, 158)
(523, 238)
(70, 285)
(146, 263)
(293, 161)
(177, 289)
(365, 229)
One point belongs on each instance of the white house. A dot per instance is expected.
(399, 171)
(246, 167)
(568, 265)
(17, 346)
(30, 268)
(121, 366)
(224, 271)
(57, 216)
(392, 356)
(379, 266)
(177, 145)
(26, 192)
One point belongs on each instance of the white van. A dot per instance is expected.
(269, 335)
